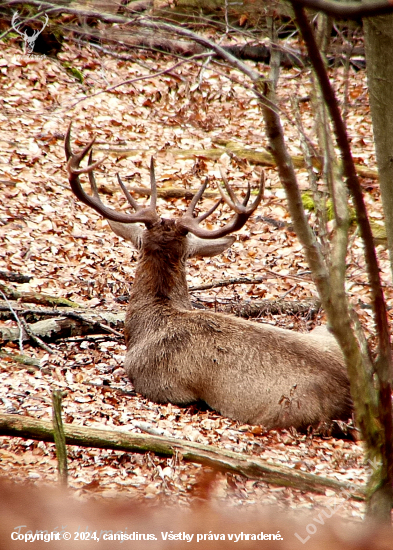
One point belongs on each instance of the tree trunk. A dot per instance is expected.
(379, 45)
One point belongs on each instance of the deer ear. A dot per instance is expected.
(208, 247)
(129, 232)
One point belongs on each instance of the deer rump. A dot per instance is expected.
(251, 372)
(275, 387)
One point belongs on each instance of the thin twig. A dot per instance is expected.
(138, 78)
(288, 292)
(17, 320)
(105, 388)
(230, 77)
(122, 56)
(36, 339)
(111, 330)
(245, 281)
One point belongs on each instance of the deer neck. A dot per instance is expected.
(160, 281)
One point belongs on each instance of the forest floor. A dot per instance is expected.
(70, 252)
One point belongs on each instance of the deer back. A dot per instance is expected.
(248, 371)
(252, 372)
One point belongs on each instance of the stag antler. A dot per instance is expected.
(146, 215)
(243, 212)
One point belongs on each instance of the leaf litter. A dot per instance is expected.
(70, 252)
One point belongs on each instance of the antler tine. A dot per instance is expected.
(248, 193)
(67, 142)
(78, 157)
(128, 195)
(242, 213)
(227, 200)
(241, 208)
(14, 22)
(228, 188)
(94, 188)
(250, 209)
(196, 198)
(262, 184)
(189, 214)
(207, 214)
(232, 202)
(194, 201)
(148, 215)
(92, 179)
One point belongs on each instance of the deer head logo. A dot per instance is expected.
(29, 41)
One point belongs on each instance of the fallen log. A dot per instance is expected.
(36, 297)
(260, 157)
(219, 459)
(51, 325)
(62, 323)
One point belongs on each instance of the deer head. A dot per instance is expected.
(121, 223)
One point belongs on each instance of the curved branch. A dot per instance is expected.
(380, 441)
(347, 10)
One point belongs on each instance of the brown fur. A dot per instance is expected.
(251, 372)
(248, 371)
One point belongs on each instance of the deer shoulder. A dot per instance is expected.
(252, 372)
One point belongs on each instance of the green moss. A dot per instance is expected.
(76, 73)
(377, 226)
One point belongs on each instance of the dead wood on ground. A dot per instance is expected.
(36, 297)
(260, 158)
(51, 325)
(220, 459)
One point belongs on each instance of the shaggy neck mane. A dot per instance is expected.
(161, 273)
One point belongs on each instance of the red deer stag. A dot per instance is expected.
(251, 372)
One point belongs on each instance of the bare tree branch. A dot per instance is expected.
(348, 10)
(382, 442)
(144, 77)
